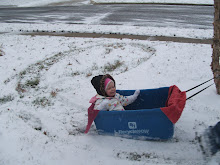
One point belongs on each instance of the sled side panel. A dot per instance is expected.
(148, 124)
(148, 98)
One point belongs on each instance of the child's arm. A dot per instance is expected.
(126, 100)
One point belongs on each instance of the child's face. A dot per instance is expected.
(111, 90)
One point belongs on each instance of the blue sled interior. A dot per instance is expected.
(143, 119)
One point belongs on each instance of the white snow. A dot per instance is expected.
(106, 29)
(203, 2)
(27, 3)
(44, 125)
(31, 3)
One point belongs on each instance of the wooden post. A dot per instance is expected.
(216, 46)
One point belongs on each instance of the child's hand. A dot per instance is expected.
(136, 93)
(130, 99)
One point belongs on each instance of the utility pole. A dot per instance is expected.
(215, 65)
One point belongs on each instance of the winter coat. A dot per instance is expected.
(116, 103)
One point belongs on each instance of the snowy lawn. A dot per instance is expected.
(45, 89)
(85, 27)
(196, 2)
(30, 3)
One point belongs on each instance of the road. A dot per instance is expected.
(183, 16)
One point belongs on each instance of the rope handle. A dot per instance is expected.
(200, 85)
(199, 91)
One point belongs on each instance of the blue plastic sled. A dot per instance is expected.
(143, 119)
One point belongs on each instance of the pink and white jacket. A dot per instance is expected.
(108, 103)
(115, 103)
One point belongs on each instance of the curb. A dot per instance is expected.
(124, 36)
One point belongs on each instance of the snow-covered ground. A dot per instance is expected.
(106, 29)
(45, 90)
(31, 3)
(27, 3)
(43, 124)
(197, 2)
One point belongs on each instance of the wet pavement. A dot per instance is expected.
(177, 16)
(146, 15)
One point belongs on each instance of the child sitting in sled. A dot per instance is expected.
(107, 98)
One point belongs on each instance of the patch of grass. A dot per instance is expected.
(21, 74)
(2, 53)
(32, 83)
(95, 66)
(41, 67)
(20, 88)
(141, 60)
(111, 67)
(6, 99)
(53, 93)
(35, 70)
(108, 50)
(42, 101)
(75, 73)
(134, 156)
(89, 74)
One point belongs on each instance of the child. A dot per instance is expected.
(107, 98)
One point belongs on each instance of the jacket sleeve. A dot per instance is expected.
(126, 100)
